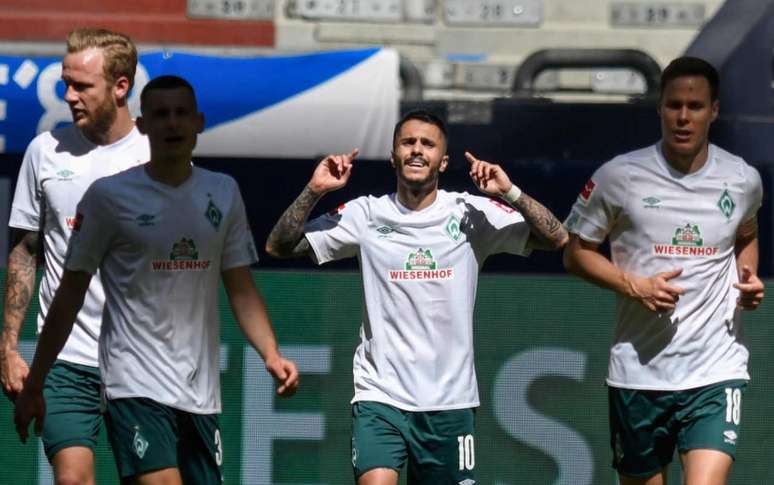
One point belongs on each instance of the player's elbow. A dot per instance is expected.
(278, 251)
(570, 259)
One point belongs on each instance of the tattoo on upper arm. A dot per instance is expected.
(547, 230)
(287, 236)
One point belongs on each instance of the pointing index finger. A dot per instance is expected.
(470, 157)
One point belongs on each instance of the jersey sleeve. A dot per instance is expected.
(92, 232)
(754, 192)
(336, 235)
(239, 247)
(599, 203)
(496, 227)
(26, 208)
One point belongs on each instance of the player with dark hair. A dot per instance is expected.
(163, 235)
(680, 216)
(420, 250)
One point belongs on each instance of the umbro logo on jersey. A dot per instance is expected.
(467, 481)
(726, 204)
(146, 220)
(385, 231)
(730, 436)
(65, 174)
(651, 202)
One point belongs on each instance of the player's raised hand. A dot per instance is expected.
(285, 373)
(332, 172)
(656, 292)
(750, 289)
(13, 372)
(29, 405)
(490, 178)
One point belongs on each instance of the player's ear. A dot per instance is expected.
(444, 163)
(121, 89)
(392, 159)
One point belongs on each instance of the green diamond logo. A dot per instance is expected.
(453, 228)
(726, 204)
(65, 173)
(651, 201)
(213, 214)
(384, 230)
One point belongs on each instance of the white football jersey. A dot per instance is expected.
(420, 274)
(57, 169)
(161, 250)
(659, 219)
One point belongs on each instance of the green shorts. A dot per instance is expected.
(148, 436)
(647, 426)
(439, 445)
(73, 414)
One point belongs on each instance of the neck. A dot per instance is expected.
(169, 171)
(686, 163)
(417, 198)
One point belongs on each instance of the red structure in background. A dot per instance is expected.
(147, 21)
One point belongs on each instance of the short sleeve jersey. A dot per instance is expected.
(57, 169)
(161, 250)
(658, 219)
(420, 274)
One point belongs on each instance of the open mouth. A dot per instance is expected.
(682, 135)
(416, 162)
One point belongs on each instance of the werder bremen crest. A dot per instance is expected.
(213, 214)
(184, 250)
(139, 443)
(421, 259)
(726, 204)
(688, 235)
(453, 228)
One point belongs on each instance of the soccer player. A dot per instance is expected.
(420, 251)
(162, 235)
(681, 219)
(98, 74)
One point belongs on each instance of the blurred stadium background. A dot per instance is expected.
(548, 88)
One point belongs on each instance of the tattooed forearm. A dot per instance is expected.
(19, 286)
(287, 237)
(547, 231)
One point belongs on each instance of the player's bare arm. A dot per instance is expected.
(286, 239)
(546, 231)
(250, 311)
(57, 327)
(656, 293)
(750, 287)
(20, 286)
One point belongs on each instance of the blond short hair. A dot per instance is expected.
(118, 49)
